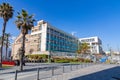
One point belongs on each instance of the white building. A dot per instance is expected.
(95, 44)
(45, 38)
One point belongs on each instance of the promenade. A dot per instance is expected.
(95, 72)
(91, 72)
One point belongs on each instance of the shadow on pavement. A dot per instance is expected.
(101, 75)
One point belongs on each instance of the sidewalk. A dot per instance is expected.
(76, 75)
(31, 71)
(90, 72)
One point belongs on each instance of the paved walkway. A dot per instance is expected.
(29, 66)
(95, 72)
(92, 72)
(98, 72)
(31, 71)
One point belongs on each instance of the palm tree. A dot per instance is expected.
(7, 42)
(0, 40)
(6, 12)
(24, 23)
(83, 48)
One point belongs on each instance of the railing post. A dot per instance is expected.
(77, 66)
(63, 69)
(38, 74)
(85, 64)
(71, 67)
(52, 71)
(16, 75)
(82, 65)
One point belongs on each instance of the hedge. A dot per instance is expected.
(37, 57)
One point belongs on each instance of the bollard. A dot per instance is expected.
(38, 74)
(16, 75)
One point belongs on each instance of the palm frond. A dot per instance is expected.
(24, 21)
(6, 11)
(31, 16)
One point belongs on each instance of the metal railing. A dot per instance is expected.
(49, 72)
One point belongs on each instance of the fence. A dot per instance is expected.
(48, 72)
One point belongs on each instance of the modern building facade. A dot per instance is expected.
(95, 44)
(46, 39)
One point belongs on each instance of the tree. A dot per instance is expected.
(6, 12)
(83, 48)
(0, 40)
(7, 42)
(24, 23)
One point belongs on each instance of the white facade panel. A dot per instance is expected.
(43, 37)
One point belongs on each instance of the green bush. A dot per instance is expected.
(87, 60)
(37, 56)
(44, 58)
(69, 60)
(61, 61)
(64, 60)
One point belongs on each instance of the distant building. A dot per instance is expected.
(46, 39)
(114, 56)
(95, 44)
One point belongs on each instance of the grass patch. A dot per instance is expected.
(7, 66)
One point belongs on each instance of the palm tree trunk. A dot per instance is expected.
(6, 48)
(23, 52)
(3, 32)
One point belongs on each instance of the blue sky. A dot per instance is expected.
(85, 17)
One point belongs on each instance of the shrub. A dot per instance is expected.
(87, 60)
(80, 59)
(37, 57)
(62, 61)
